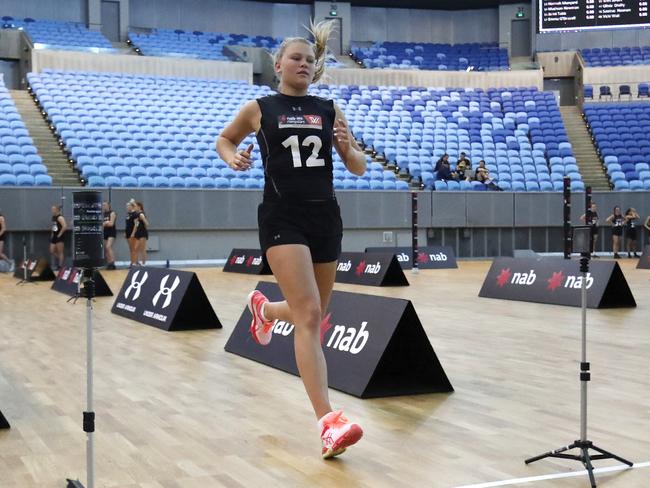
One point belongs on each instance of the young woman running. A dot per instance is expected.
(299, 220)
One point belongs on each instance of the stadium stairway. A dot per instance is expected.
(583, 149)
(47, 145)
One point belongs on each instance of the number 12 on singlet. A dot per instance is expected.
(313, 160)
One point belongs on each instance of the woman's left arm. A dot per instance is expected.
(346, 145)
(143, 218)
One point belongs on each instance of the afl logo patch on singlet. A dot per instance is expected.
(300, 122)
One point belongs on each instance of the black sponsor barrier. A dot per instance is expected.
(371, 268)
(429, 257)
(67, 281)
(374, 346)
(644, 260)
(557, 281)
(4, 424)
(249, 261)
(165, 298)
(38, 269)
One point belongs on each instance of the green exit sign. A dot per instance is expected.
(520, 14)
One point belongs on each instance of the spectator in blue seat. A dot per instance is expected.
(463, 159)
(445, 173)
(443, 159)
(631, 219)
(482, 175)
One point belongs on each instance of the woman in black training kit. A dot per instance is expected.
(57, 236)
(299, 218)
(593, 222)
(618, 221)
(140, 234)
(128, 232)
(631, 219)
(109, 234)
(3, 236)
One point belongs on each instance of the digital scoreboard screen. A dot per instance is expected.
(572, 15)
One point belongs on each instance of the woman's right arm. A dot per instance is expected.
(647, 223)
(609, 219)
(2, 225)
(246, 121)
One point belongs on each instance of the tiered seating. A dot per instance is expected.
(60, 35)
(616, 56)
(144, 131)
(197, 44)
(518, 132)
(443, 57)
(19, 163)
(620, 132)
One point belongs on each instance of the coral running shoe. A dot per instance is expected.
(260, 327)
(337, 433)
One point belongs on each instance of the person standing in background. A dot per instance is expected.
(57, 236)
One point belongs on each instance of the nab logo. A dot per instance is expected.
(404, 258)
(66, 274)
(441, 256)
(136, 285)
(373, 268)
(343, 338)
(166, 291)
(524, 278)
(349, 339)
(253, 261)
(344, 266)
(233, 260)
(240, 259)
(360, 268)
(576, 281)
(506, 276)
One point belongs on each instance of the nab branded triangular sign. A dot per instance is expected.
(428, 257)
(374, 346)
(644, 260)
(557, 281)
(38, 269)
(372, 268)
(3, 422)
(68, 279)
(249, 261)
(165, 298)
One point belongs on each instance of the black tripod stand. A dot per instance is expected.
(25, 278)
(88, 292)
(583, 443)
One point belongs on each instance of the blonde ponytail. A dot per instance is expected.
(321, 32)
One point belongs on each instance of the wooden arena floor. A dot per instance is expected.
(176, 410)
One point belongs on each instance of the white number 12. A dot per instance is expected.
(313, 159)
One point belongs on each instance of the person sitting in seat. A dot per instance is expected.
(445, 173)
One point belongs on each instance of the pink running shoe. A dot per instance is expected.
(337, 433)
(260, 327)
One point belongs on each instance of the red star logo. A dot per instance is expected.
(249, 260)
(233, 259)
(504, 277)
(555, 281)
(325, 325)
(422, 257)
(360, 269)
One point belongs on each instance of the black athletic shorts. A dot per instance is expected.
(617, 231)
(2, 237)
(631, 233)
(316, 224)
(55, 240)
(110, 232)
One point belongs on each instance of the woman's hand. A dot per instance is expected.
(342, 136)
(242, 160)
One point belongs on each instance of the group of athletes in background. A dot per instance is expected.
(136, 233)
(629, 221)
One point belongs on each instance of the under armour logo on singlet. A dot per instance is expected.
(136, 285)
(166, 291)
(297, 109)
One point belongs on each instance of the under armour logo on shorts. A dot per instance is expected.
(136, 285)
(166, 291)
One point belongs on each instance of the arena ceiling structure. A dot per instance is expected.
(416, 4)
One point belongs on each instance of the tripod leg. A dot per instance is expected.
(548, 454)
(586, 460)
(613, 456)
